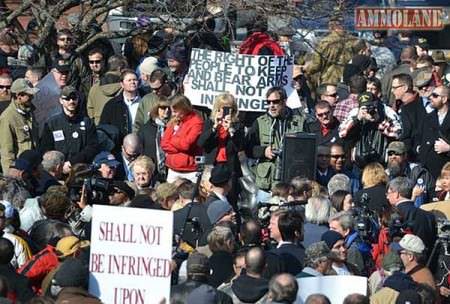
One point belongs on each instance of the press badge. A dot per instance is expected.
(58, 135)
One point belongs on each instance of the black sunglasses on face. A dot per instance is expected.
(435, 95)
(274, 101)
(332, 95)
(5, 87)
(95, 61)
(325, 114)
(392, 153)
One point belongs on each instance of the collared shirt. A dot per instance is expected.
(427, 104)
(221, 197)
(344, 107)
(127, 169)
(283, 243)
(132, 105)
(441, 117)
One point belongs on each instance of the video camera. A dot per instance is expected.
(443, 229)
(96, 190)
(278, 175)
(366, 221)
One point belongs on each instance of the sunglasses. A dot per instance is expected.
(5, 87)
(392, 153)
(332, 95)
(70, 97)
(337, 156)
(274, 101)
(324, 114)
(95, 61)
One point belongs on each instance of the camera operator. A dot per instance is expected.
(70, 132)
(265, 137)
(106, 165)
(422, 223)
(371, 126)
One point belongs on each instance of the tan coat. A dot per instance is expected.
(18, 132)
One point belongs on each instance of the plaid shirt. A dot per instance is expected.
(345, 106)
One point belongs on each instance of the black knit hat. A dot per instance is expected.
(72, 273)
(220, 174)
(331, 237)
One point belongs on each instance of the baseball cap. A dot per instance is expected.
(217, 210)
(366, 99)
(317, 250)
(197, 263)
(105, 157)
(422, 78)
(397, 147)
(61, 66)
(69, 91)
(438, 57)
(412, 243)
(69, 245)
(391, 261)
(148, 65)
(21, 85)
(27, 161)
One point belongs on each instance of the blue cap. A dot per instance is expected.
(107, 158)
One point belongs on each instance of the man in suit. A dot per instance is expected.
(412, 110)
(221, 184)
(286, 228)
(422, 223)
(434, 149)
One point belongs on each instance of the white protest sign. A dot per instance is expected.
(336, 288)
(131, 251)
(247, 77)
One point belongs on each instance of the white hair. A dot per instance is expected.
(318, 210)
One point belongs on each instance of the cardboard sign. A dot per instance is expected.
(246, 77)
(131, 251)
(336, 288)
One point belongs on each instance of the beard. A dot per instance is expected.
(395, 169)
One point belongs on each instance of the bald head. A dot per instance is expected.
(317, 299)
(283, 288)
(255, 261)
(356, 298)
(132, 144)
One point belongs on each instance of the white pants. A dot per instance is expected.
(173, 175)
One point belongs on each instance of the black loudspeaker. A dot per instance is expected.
(299, 156)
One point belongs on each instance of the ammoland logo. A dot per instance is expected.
(400, 18)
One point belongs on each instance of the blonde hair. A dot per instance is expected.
(225, 99)
(374, 174)
(318, 210)
(445, 168)
(145, 162)
(180, 103)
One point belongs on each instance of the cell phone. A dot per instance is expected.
(226, 111)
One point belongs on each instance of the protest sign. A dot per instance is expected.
(440, 209)
(130, 255)
(336, 288)
(247, 77)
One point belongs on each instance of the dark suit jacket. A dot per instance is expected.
(431, 131)
(423, 223)
(293, 257)
(116, 113)
(412, 116)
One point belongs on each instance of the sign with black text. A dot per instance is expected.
(131, 252)
(246, 77)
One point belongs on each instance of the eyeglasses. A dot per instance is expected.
(95, 61)
(5, 87)
(435, 95)
(131, 157)
(337, 156)
(392, 153)
(334, 95)
(324, 114)
(274, 101)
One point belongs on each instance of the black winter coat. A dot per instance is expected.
(116, 113)
(179, 293)
(76, 138)
(412, 116)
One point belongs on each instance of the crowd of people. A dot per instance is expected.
(99, 127)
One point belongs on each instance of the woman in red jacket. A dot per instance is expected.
(180, 140)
